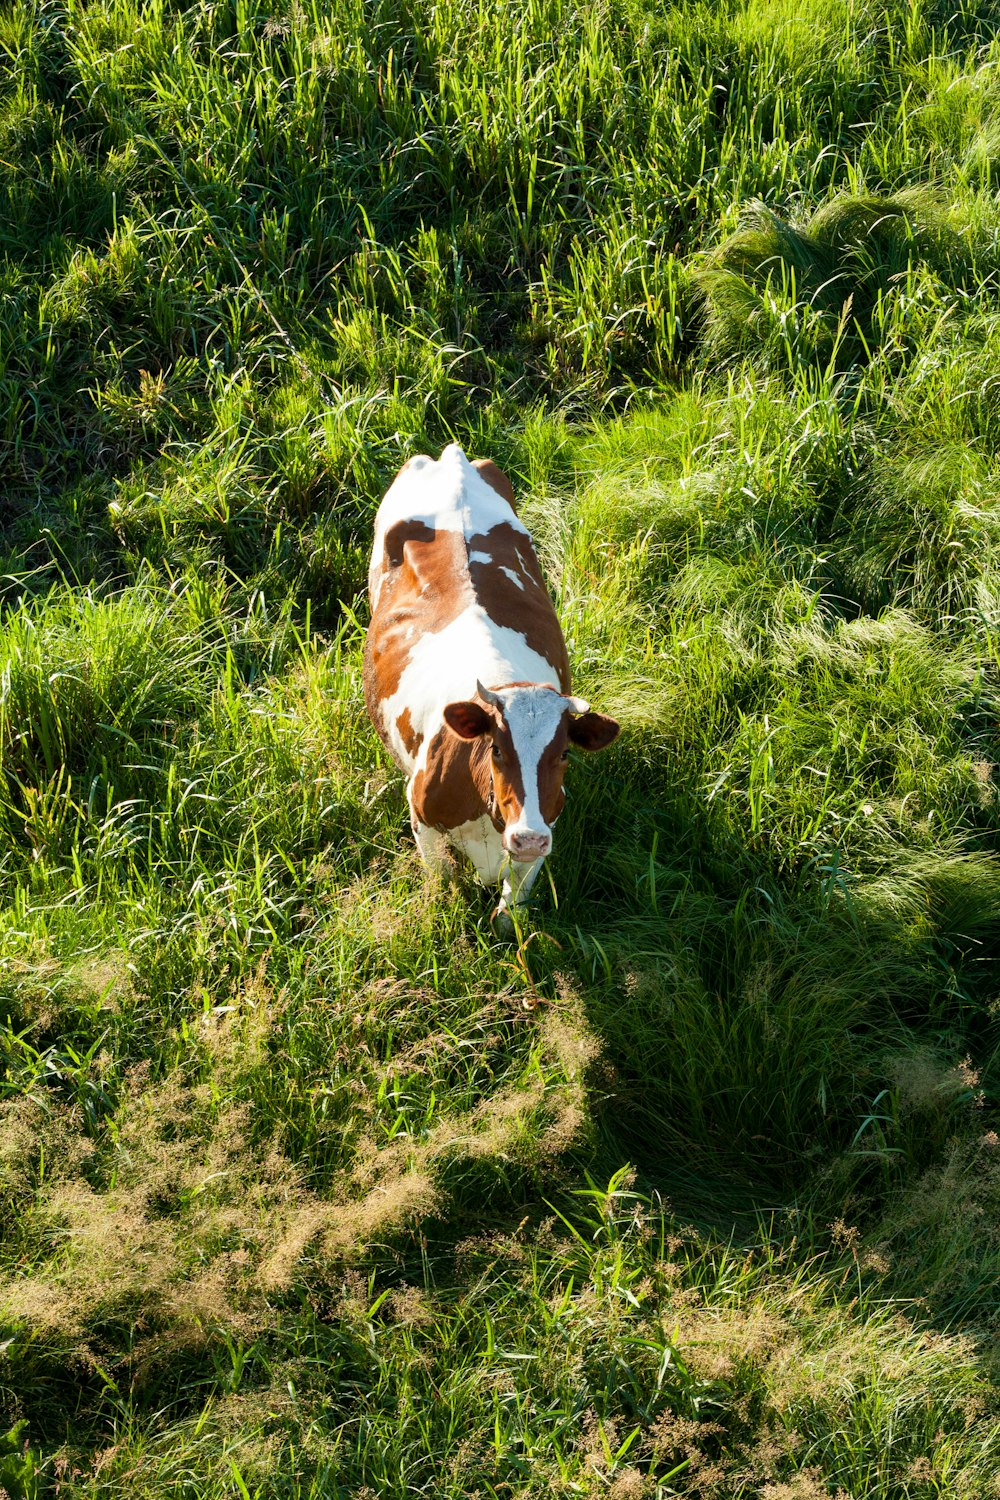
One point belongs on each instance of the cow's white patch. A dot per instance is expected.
(400, 750)
(480, 557)
(481, 844)
(449, 495)
(445, 666)
(514, 577)
(517, 883)
(433, 845)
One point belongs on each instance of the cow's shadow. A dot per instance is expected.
(770, 1038)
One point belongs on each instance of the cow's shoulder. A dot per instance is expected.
(511, 589)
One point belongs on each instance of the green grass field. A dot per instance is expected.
(312, 1186)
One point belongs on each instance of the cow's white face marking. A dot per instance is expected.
(533, 716)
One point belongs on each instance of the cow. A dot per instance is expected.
(466, 674)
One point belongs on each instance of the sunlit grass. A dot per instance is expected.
(297, 1156)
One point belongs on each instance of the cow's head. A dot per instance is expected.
(530, 727)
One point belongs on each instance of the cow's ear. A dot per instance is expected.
(593, 731)
(468, 720)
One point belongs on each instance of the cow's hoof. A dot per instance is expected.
(501, 921)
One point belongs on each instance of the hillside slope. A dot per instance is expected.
(312, 1186)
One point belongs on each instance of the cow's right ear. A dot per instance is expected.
(593, 731)
(468, 720)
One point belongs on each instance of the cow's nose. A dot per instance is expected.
(526, 846)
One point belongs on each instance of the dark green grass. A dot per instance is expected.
(297, 1156)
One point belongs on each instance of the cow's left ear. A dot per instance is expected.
(593, 731)
(468, 720)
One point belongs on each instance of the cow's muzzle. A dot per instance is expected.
(526, 847)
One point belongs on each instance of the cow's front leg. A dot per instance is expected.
(518, 879)
(431, 842)
(433, 845)
(480, 842)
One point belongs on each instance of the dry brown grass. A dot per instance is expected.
(203, 1226)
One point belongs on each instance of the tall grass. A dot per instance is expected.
(310, 1185)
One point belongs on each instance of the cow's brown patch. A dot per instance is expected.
(398, 534)
(411, 738)
(526, 609)
(508, 778)
(593, 731)
(497, 480)
(469, 719)
(454, 786)
(419, 594)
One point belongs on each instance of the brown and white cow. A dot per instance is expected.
(466, 672)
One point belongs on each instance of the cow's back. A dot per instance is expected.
(457, 595)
